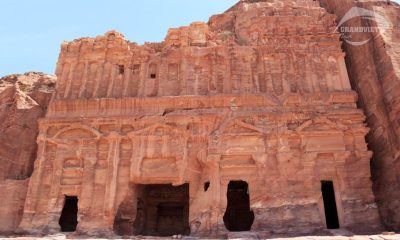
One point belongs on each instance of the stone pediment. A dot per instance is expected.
(318, 125)
(158, 130)
(238, 127)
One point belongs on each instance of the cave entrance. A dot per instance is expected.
(69, 215)
(238, 216)
(163, 210)
(331, 214)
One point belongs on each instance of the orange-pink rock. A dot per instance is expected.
(23, 99)
(375, 74)
(248, 114)
(245, 123)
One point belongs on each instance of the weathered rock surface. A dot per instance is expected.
(23, 99)
(234, 124)
(13, 193)
(374, 70)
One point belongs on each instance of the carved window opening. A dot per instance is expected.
(331, 214)
(162, 210)
(206, 186)
(121, 69)
(238, 216)
(69, 215)
(153, 71)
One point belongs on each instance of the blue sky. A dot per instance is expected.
(31, 31)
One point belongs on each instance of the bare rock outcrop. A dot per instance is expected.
(23, 100)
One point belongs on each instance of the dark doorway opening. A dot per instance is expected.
(162, 210)
(121, 69)
(69, 215)
(206, 186)
(170, 218)
(331, 214)
(238, 216)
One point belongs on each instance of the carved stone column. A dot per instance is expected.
(84, 79)
(137, 156)
(114, 139)
(215, 178)
(86, 211)
(344, 76)
(69, 80)
(184, 165)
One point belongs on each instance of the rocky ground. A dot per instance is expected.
(383, 236)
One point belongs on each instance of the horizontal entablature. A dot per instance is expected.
(164, 105)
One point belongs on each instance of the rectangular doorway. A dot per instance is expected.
(330, 207)
(170, 218)
(69, 215)
(238, 216)
(165, 210)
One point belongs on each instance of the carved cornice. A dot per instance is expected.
(158, 105)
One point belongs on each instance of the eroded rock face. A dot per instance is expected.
(13, 194)
(374, 70)
(23, 100)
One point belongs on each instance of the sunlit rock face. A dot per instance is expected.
(23, 99)
(374, 70)
(245, 123)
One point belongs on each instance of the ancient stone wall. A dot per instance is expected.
(374, 70)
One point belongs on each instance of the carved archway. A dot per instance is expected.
(82, 131)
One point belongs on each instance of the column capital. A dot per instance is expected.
(114, 136)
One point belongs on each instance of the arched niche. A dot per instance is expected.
(77, 132)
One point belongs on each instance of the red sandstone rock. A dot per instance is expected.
(225, 125)
(259, 94)
(23, 99)
(13, 193)
(375, 73)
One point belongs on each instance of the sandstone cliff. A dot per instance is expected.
(23, 99)
(374, 71)
(263, 59)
